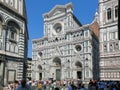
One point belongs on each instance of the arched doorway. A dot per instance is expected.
(57, 71)
(79, 69)
(40, 72)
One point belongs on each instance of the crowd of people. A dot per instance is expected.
(63, 85)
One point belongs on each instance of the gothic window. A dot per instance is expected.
(13, 30)
(57, 27)
(86, 33)
(39, 67)
(69, 20)
(7, 47)
(40, 54)
(12, 48)
(112, 35)
(101, 74)
(116, 46)
(87, 73)
(16, 49)
(105, 47)
(104, 37)
(12, 33)
(109, 13)
(12, 2)
(111, 47)
(116, 11)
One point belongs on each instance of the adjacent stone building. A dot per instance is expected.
(109, 43)
(67, 50)
(13, 40)
(29, 64)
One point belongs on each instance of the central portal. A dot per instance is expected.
(58, 74)
(57, 68)
(79, 75)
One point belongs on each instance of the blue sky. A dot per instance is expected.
(84, 10)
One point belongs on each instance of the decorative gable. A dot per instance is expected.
(59, 9)
(57, 12)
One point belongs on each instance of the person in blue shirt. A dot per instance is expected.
(23, 86)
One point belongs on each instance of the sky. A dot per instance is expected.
(84, 10)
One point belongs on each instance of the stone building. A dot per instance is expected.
(109, 43)
(13, 40)
(29, 64)
(67, 50)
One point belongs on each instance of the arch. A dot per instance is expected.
(116, 11)
(78, 64)
(16, 49)
(12, 23)
(39, 67)
(109, 14)
(13, 29)
(57, 60)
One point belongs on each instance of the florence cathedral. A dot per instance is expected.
(68, 49)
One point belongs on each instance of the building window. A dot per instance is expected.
(86, 33)
(116, 11)
(57, 27)
(13, 30)
(116, 46)
(87, 73)
(12, 34)
(113, 35)
(104, 37)
(109, 13)
(111, 47)
(105, 47)
(12, 2)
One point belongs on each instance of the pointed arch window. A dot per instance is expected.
(13, 33)
(116, 11)
(109, 13)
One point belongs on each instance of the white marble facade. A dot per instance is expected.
(67, 50)
(13, 40)
(109, 43)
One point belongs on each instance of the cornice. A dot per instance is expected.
(10, 10)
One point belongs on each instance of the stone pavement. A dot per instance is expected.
(3, 88)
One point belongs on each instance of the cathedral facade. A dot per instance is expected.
(109, 43)
(67, 50)
(13, 40)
